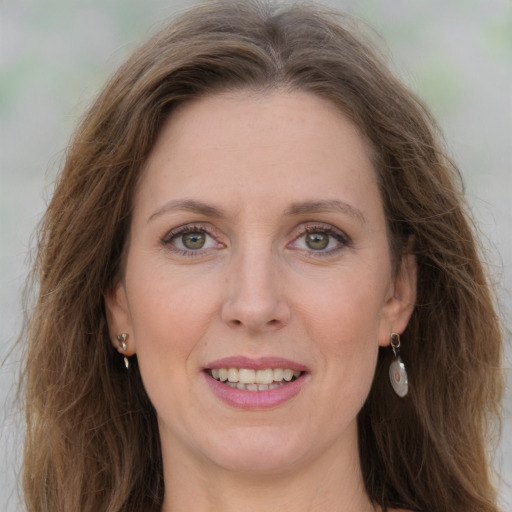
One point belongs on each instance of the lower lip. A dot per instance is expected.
(255, 400)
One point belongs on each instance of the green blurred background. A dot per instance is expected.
(56, 54)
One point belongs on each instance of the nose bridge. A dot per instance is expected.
(255, 295)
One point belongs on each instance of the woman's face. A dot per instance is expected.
(258, 253)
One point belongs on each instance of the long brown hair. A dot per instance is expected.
(92, 440)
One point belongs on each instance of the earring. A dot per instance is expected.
(121, 339)
(397, 373)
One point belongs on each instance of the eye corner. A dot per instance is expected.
(329, 242)
(191, 240)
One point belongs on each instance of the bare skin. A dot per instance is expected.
(258, 232)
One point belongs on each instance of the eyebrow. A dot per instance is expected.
(190, 205)
(326, 206)
(299, 208)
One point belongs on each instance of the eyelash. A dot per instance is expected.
(342, 239)
(184, 230)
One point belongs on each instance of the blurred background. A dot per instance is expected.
(55, 55)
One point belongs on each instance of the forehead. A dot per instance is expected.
(241, 112)
(258, 146)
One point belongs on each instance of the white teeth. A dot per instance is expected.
(264, 376)
(278, 374)
(253, 387)
(288, 374)
(233, 375)
(246, 376)
(254, 380)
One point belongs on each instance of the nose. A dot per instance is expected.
(255, 296)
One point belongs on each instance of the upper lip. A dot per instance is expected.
(260, 363)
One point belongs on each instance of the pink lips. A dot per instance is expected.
(255, 400)
(255, 364)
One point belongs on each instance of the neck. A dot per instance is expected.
(331, 484)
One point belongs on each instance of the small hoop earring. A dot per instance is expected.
(121, 339)
(397, 373)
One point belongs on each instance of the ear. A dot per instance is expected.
(118, 317)
(401, 300)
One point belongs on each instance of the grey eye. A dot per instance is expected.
(317, 241)
(195, 240)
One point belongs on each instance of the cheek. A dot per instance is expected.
(347, 306)
(164, 298)
(169, 316)
(167, 329)
(344, 322)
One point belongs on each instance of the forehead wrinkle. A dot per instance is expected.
(325, 206)
(190, 205)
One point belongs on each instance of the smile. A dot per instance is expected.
(247, 379)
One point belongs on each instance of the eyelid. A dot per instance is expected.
(194, 227)
(343, 240)
(318, 227)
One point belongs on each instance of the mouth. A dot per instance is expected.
(247, 379)
(256, 383)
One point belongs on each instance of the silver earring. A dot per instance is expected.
(397, 373)
(121, 339)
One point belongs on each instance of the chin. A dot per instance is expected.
(257, 453)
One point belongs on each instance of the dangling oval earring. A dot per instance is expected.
(121, 339)
(397, 373)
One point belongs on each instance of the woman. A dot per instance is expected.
(259, 286)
